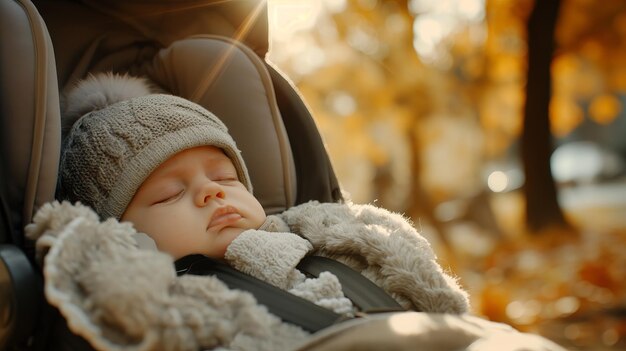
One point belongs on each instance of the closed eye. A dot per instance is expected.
(169, 198)
(225, 179)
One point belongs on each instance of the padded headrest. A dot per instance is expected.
(138, 24)
(170, 20)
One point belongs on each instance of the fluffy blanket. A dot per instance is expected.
(119, 296)
(384, 247)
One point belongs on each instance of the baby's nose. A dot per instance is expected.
(209, 190)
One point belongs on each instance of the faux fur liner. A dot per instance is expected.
(119, 297)
(384, 247)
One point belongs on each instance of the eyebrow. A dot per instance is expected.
(223, 162)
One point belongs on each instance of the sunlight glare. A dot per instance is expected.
(498, 181)
(403, 324)
(436, 21)
(342, 103)
(429, 32)
(472, 10)
(289, 16)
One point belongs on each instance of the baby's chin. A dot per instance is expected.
(225, 238)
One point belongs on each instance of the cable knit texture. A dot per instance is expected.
(111, 150)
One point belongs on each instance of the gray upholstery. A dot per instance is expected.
(29, 107)
(29, 145)
(119, 26)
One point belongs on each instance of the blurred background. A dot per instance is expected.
(498, 127)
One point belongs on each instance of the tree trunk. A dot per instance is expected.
(542, 207)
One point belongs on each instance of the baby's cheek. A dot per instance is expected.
(165, 236)
(259, 222)
(258, 217)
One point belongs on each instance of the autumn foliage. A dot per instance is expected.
(421, 104)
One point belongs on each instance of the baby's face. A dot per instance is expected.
(193, 203)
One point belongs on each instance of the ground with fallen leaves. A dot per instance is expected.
(569, 286)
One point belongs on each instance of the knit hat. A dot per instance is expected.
(120, 133)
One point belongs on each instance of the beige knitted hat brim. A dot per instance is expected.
(156, 153)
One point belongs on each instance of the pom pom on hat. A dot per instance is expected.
(99, 91)
(124, 135)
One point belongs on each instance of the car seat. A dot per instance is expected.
(47, 45)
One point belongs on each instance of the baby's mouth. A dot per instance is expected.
(223, 216)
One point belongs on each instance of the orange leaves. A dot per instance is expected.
(577, 79)
(506, 69)
(494, 300)
(597, 273)
(501, 116)
(572, 292)
(380, 106)
(604, 109)
(565, 115)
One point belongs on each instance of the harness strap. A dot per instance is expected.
(288, 307)
(366, 295)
